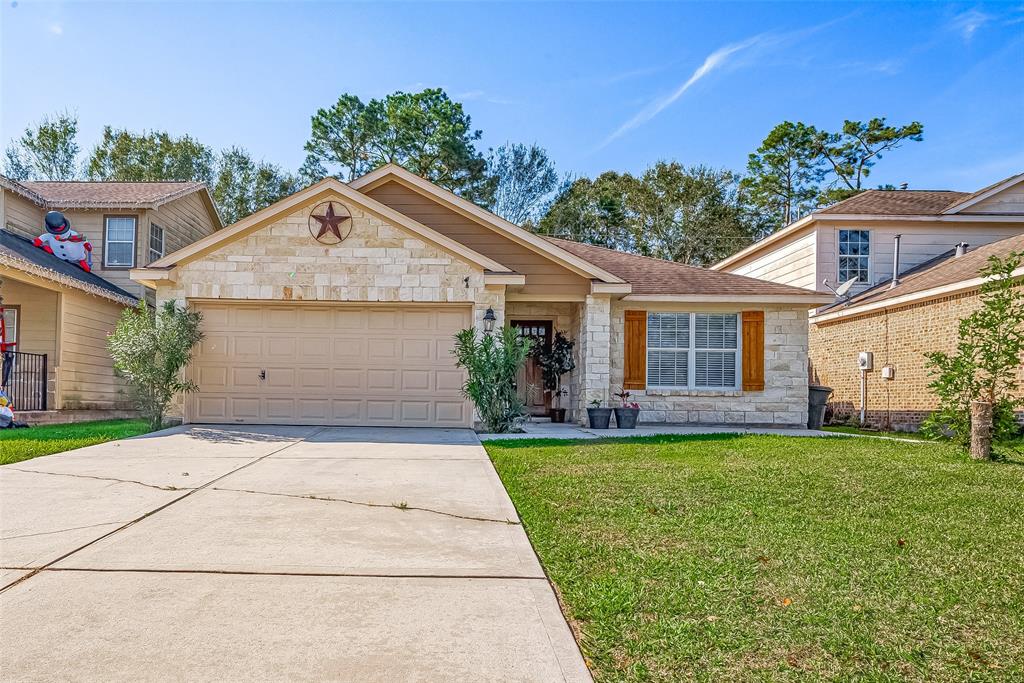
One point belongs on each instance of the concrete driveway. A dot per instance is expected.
(285, 553)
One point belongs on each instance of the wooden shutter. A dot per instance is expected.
(635, 374)
(753, 350)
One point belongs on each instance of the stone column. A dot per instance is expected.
(595, 350)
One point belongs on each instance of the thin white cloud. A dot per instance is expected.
(967, 23)
(470, 95)
(713, 61)
(56, 29)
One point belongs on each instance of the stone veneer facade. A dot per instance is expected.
(899, 337)
(783, 401)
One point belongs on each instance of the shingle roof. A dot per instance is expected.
(18, 252)
(898, 202)
(945, 269)
(101, 195)
(656, 276)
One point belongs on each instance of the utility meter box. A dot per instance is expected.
(888, 372)
(866, 360)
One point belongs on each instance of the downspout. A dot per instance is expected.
(895, 262)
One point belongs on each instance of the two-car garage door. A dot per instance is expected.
(268, 363)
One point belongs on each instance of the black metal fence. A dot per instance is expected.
(23, 376)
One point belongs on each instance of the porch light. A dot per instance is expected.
(489, 321)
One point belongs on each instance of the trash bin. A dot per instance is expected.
(817, 397)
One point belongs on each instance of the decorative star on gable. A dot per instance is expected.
(325, 223)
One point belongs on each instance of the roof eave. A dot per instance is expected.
(810, 300)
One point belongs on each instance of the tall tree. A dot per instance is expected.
(155, 155)
(426, 132)
(853, 152)
(524, 182)
(47, 152)
(691, 215)
(784, 172)
(242, 186)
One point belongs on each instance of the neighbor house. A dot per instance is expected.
(60, 315)
(338, 305)
(855, 239)
(898, 324)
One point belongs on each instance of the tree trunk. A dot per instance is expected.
(981, 430)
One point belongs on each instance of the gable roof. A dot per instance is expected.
(657, 277)
(87, 194)
(19, 253)
(394, 172)
(896, 203)
(318, 192)
(944, 271)
(984, 193)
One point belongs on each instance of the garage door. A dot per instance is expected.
(332, 365)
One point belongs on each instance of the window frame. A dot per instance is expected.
(692, 350)
(16, 310)
(149, 248)
(866, 257)
(106, 242)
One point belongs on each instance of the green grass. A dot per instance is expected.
(778, 559)
(24, 444)
(838, 429)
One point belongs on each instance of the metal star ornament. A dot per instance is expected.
(325, 223)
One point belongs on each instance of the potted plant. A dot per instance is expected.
(627, 414)
(555, 361)
(599, 417)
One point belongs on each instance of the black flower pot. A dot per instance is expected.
(558, 415)
(625, 418)
(599, 417)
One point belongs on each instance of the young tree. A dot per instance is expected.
(47, 152)
(155, 155)
(590, 211)
(524, 178)
(783, 173)
(243, 186)
(492, 363)
(977, 385)
(150, 349)
(853, 152)
(426, 132)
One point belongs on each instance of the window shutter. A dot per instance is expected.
(753, 350)
(635, 373)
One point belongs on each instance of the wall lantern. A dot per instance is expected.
(489, 321)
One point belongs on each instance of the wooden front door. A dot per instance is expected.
(530, 381)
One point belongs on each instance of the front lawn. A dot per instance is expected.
(23, 444)
(729, 557)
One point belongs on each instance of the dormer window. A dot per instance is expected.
(854, 255)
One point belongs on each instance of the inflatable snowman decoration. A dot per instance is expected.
(64, 243)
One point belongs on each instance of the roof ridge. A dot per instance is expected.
(627, 253)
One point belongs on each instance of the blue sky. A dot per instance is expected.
(601, 86)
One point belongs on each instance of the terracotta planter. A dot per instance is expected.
(599, 417)
(557, 415)
(625, 418)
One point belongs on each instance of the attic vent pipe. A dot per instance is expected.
(961, 249)
(895, 261)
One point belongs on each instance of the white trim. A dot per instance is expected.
(314, 193)
(610, 288)
(811, 299)
(769, 240)
(525, 238)
(504, 279)
(913, 297)
(107, 241)
(691, 353)
(546, 298)
(994, 190)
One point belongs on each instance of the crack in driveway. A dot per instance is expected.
(395, 506)
(56, 531)
(113, 479)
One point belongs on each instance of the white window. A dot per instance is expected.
(119, 242)
(156, 242)
(11, 325)
(854, 255)
(693, 350)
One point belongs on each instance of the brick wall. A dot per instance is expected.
(899, 337)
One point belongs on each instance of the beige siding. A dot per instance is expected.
(1010, 200)
(21, 216)
(37, 320)
(86, 377)
(542, 274)
(790, 263)
(184, 221)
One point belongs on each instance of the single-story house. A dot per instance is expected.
(338, 305)
(898, 325)
(57, 314)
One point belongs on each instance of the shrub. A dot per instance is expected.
(492, 362)
(150, 349)
(555, 362)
